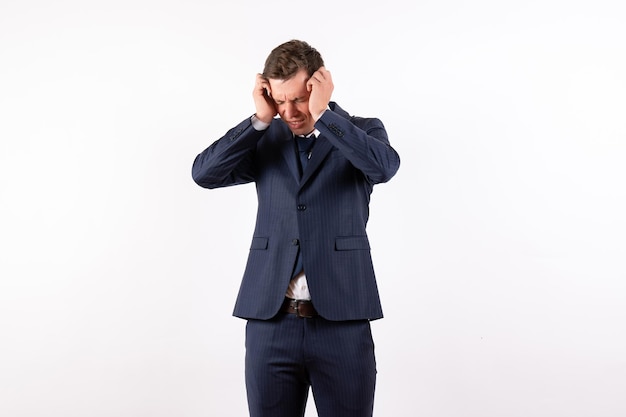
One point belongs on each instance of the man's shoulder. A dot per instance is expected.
(275, 136)
(359, 121)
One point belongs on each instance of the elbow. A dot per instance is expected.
(388, 169)
(199, 174)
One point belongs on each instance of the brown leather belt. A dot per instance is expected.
(301, 308)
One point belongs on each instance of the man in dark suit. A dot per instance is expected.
(308, 291)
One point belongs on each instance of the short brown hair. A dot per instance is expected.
(287, 59)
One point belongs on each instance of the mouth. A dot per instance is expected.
(295, 124)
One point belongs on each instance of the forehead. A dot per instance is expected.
(291, 88)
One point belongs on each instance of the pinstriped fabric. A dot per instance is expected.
(324, 214)
(287, 354)
(277, 382)
(342, 367)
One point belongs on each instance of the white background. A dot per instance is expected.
(499, 246)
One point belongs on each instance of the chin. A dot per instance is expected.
(305, 130)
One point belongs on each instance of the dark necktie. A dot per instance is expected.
(304, 150)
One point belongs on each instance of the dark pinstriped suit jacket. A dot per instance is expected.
(324, 213)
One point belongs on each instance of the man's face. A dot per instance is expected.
(292, 102)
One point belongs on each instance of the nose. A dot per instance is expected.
(290, 110)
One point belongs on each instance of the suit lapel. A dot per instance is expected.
(289, 152)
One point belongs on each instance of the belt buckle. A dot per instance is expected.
(296, 306)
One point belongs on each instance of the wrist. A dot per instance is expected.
(264, 118)
(318, 115)
(259, 124)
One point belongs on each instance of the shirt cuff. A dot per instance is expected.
(257, 124)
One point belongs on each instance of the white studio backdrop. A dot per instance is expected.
(499, 246)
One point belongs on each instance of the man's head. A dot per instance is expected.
(288, 68)
(287, 59)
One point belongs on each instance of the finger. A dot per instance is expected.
(263, 86)
(317, 80)
(322, 72)
(261, 81)
(317, 76)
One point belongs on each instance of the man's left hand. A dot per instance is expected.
(321, 86)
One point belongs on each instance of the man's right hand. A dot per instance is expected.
(265, 107)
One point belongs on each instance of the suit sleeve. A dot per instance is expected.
(363, 142)
(229, 160)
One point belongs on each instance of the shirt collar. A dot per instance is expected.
(309, 135)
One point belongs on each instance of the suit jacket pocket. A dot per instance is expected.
(352, 243)
(259, 243)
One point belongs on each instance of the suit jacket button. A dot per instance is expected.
(301, 207)
(295, 242)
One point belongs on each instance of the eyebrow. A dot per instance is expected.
(294, 99)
